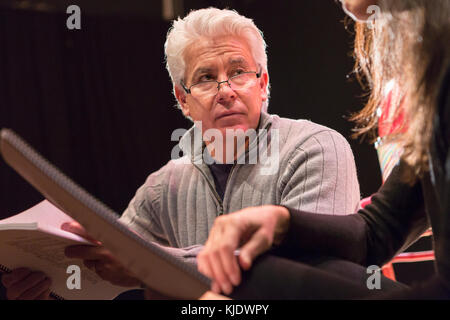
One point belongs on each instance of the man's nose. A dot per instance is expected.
(225, 93)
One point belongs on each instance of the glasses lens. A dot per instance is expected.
(240, 81)
(204, 88)
(243, 80)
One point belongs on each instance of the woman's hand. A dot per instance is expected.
(256, 229)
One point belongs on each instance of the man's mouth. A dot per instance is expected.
(228, 114)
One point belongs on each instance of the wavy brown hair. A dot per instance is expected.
(409, 41)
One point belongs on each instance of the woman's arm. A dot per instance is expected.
(373, 235)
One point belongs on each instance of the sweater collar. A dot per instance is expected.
(193, 145)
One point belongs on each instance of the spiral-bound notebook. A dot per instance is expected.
(155, 266)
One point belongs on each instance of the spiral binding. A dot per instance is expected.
(4, 269)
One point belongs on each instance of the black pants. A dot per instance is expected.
(274, 277)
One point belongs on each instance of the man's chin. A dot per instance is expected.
(232, 123)
(233, 128)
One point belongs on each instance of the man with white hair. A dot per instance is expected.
(218, 65)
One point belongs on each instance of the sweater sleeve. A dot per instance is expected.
(141, 213)
(320, 176)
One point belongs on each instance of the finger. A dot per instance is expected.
(231, 267)
(86, 252)
(225, 279)
(18, 288)
(215, 287)
(205, 268)
(36, 291)
(90, 264)
(115, 273)
(227, 257)
(107, 271)
(228, 241)
(203, 261)
(99, 268)
(257, 244)
(214, 259)
(76, 228)
(14, 276)
(218, 272)
(203, 264)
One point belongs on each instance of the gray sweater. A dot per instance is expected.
(316, 172)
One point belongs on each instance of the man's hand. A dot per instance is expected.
(256, 229)
(24, 284)
(99, 259)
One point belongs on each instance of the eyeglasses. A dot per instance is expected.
(211, 87)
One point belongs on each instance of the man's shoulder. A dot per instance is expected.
(170, 173)
(299, 131)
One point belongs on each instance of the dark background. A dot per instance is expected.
(98, 103)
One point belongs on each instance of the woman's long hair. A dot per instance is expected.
(408, 42)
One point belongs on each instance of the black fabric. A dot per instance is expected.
(220, 173)
(274, 277)
(324, 234)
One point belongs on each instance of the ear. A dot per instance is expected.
(263, 81)
(361, 10)
(180, 94)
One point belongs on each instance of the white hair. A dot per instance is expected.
(209, 23)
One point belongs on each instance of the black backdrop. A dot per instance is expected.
(97, 102)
